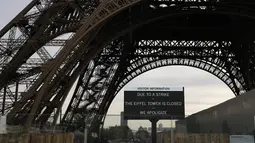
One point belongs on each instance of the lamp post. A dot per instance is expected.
(85, 134)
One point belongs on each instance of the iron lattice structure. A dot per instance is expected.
(111, 42)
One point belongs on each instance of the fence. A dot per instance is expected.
(192, 129)
(37, 138)
(195, 128)
(165, 137)
(224, 124)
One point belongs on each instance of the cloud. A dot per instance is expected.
(202, 90)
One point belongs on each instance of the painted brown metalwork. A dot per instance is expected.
(111, 42)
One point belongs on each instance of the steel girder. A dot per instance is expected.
(53, 71)
(206, 55)
(28, 33)
(90, 94)
(148, 54)
(92, 86)
(55, 18)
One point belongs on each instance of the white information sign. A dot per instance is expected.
(241, 139)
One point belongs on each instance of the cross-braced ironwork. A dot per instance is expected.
(105, 44)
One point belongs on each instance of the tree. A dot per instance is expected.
(142, 134)
(225, 127)
(117, 132)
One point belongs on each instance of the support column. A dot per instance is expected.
(16, 92)
(153, 130)
(4, 98)
(254, 136)
(172, 135)
(254, 129)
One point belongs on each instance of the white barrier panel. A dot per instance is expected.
(241, 139)
(3, 124)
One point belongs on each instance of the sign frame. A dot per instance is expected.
(142, 103)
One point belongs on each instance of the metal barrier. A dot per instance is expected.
(37, 138)
(165, 137)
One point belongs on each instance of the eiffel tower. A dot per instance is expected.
(104, 44)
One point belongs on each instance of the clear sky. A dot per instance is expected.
(202, 90)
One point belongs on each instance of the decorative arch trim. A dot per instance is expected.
(211, 68)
